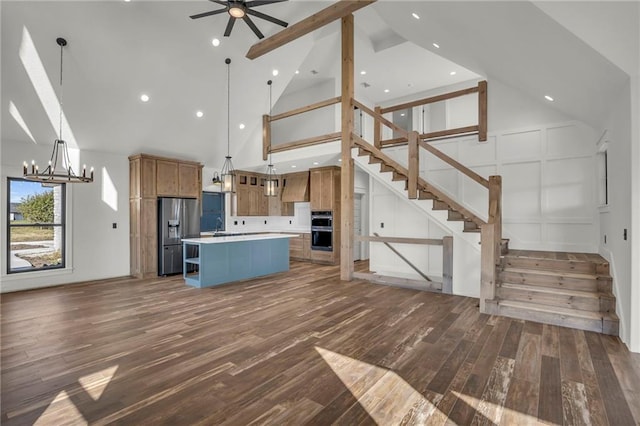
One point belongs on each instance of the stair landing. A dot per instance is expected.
(559, 288)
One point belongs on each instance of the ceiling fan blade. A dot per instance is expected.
(253, 26)
(255, 3)
(266, 17)
(223, 3)
(232, 21)
(202, 15)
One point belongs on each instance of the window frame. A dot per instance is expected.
(62, 225)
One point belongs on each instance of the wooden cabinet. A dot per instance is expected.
(167, 178)
(325, 196)
(325, 188)
(189, 180)
(151, 177)
(251, 200)
(300, 247)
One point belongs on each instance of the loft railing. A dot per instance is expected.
(480, 129)
(314, 140)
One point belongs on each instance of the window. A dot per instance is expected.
(35, 226)
(212, 218)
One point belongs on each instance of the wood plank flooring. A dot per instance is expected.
(296, 348)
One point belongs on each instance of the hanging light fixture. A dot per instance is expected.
(271, 183)
(59, 169)
(228, 174)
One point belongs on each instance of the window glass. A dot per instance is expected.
(36, 226)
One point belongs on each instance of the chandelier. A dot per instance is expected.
(228, 174)
(59, 169)
(271, 183)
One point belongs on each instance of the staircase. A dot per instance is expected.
(566, 289)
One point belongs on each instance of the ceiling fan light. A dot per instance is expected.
(236, 11)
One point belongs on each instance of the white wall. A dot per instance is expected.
(94, 249)
(617, 216)
(314, 123)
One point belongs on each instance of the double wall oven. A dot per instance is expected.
(322, 230)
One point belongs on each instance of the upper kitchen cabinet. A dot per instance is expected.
(325, 188)
(167, 178)
(251, 199)
(189, 180)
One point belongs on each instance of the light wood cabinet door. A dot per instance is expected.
(322, 189)
(189, 176)
(134, 178)
(167, 178)
(149, 239)
(148, 177)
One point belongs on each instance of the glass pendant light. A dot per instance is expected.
(60, 155)
(271, 183)
(228, 174)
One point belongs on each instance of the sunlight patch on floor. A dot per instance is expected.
(61, 411)
(500, 412)
(385, 396)
(95, 384)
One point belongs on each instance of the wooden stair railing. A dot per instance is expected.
(417, 187)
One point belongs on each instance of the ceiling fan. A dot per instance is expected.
(240, 9)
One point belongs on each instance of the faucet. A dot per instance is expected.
(218, 227)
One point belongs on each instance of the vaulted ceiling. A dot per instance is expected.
(119, 50)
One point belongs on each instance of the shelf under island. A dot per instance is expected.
(233, 258)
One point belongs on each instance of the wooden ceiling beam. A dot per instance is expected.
(325, 16)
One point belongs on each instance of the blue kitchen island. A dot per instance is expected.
(227, 259)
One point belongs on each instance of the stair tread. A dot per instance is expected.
(550, 255)
(547, 272)
(558, 310)
(558, 291)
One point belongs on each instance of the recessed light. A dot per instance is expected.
(275, 72)
(297, 71)
(315, 163)
(415, 15)
(293, 166)
(241, 126)
(199, 114)
(549, 98)
(402, 115)
(215, 42)
(436, 45)
(452, 73)
(144, 98)
(339, 160)
(386, 90)
(127, 1)
(363, 72)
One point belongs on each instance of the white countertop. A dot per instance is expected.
(234, 238)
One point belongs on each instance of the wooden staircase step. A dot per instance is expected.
(573, 299)
(384, 168)
(362, 152)
(586, 264)
(398, 177)
(470, 226)
(556, 279)
(425, 195)
(374, 160)
(606, 323)
(440, 205)
(454, 216)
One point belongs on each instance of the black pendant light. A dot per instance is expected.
(271, 183)
(228, 174)
(59, 169)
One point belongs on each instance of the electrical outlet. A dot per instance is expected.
(235, 222)
(289, 222)
(114, 225)
(243, 222)
(624, 234)
(381, 224)
(605, 238)
(265, 222)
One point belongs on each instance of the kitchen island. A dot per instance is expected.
(225, 259)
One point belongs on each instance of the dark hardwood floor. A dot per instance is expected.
(295, 348)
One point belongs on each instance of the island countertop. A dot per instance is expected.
(234, 238)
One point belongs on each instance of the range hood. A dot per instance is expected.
(296, 188)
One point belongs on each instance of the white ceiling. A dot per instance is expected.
(118, 50)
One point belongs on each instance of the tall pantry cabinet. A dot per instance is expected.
(151, 177)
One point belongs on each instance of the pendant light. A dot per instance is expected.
(271, 183)
(59, 169)
(228, 174)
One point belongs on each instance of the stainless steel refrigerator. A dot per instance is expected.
(178, 218)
